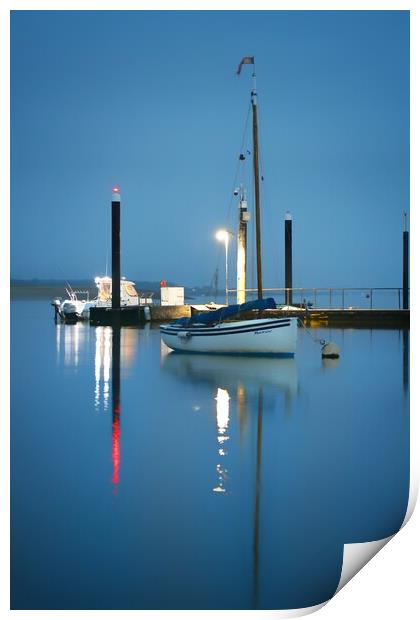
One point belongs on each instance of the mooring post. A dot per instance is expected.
(288, 259)
(241, 250)
(405, 262)
(116, 252)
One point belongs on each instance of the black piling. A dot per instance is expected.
(288, 285)
(116, 250)
(117, 316)
(405, 263)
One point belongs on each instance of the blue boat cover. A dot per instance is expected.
(216, 316)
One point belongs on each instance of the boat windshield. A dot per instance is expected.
(104, 291)
(129, 289)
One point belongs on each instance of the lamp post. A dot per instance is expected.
(223, 235)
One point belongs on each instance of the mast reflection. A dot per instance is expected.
(256, 538)
(241, 409)
(406, 360)
(251, 380)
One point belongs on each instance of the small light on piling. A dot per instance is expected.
(116, 194)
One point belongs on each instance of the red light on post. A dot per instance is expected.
(116, 194)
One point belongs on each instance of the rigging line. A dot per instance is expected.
(270, 223)
(238, 164)
(269, 215)
(66, 282)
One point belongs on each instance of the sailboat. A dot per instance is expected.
(221, 331)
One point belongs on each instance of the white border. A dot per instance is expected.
(387, 587)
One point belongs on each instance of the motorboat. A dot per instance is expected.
(77, 306)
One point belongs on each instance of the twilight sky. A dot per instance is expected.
(150, 101)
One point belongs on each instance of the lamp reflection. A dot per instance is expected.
(68, 338)
(245, 382)
(105, 355)
(58, 339)
(102, 366)
(222, 418)
(114, 347)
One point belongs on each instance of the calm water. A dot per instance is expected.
(194, 481)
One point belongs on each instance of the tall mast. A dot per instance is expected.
(256, 184)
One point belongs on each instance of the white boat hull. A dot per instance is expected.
(72, 307)
(255, 336)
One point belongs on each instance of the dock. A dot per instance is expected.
(357, 318)
(307, 309)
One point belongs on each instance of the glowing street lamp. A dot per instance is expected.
(224, 235)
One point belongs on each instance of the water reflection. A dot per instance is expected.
(102, 366)
(243, 376)
(233, 373)
(114, 348)
(256, 538)
(69, 339)
(330, 363)
(299, 486)
(241, 408)
(406, 360)
(222, 417)
(251, 380)
(116, 404)
(105, 354)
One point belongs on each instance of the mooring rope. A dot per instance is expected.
(320, 341)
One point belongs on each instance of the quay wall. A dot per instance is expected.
(331, 318)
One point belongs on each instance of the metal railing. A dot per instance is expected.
(374, 298)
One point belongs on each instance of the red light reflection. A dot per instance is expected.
(116, 456)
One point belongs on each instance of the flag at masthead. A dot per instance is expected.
(246, 60)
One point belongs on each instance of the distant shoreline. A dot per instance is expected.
(40, 291)
(51, 289)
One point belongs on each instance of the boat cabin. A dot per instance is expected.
(129, 295)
